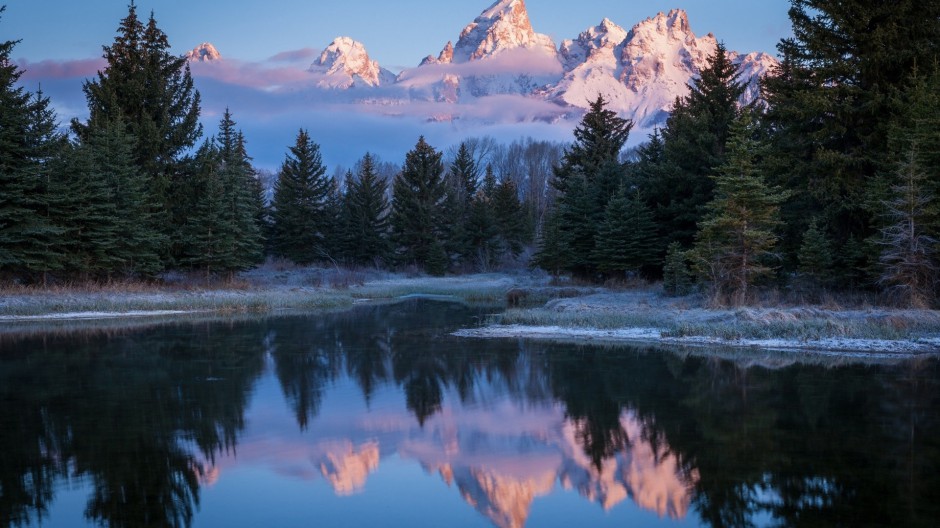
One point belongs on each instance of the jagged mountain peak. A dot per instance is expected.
(204, 52)
(345, 63)
(504, 26)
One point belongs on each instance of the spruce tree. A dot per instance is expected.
(626, 240)
(734, 247)
(831, 108)
(239, 181)
(367, 209)
(139, 240)
(462, 182)
(815, 256)
(300, 207)
(151, 92)
(909, 257)
(677, 280)
(589, 175)
(484, 243)
(693, 146)
(418, 216)
(209, 232)
(510, 217)
(28, 144)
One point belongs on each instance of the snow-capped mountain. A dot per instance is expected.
(204, 52)
(498, 53)
(504, 26)
(345, 63)
(641, 72)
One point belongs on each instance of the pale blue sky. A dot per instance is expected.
(397, 33)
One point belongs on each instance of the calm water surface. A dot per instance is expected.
(377, 417)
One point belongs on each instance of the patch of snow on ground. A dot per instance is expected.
(91, 315)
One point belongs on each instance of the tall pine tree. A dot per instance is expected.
(300, 209)
(151, 92)
(693, 146)
(588, 177)
(735, 245)
(29, 144)
(419, 218)
(366, 216)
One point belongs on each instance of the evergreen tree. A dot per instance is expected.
(510, 217)
(831, 107)
(209, 232)
(238, 178)
(151, 91)
(462, 181)
(736, 240)
(418, 215)
(91, 242)
(626, 241)
(909, 255)
(29, 144)
(589, 175)
(693, 145)
(815, 255)
(300, 207)
(367, 209)
(677, 280)
(138, 239)
(484, 243)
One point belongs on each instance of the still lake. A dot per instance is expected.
(378, 417)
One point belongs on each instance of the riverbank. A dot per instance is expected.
(252, 293)
(645, 315)
(540, 310)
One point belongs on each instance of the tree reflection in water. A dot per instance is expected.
(142, 415)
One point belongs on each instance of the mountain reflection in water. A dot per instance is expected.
(181, 424)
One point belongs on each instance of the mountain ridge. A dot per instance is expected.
(640, 71)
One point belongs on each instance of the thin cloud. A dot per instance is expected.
(53, 69)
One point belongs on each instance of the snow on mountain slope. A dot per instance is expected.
(642, 75)
(521, 75)
(504, 26)
(204, 52)
(499, 53)
(345, 63)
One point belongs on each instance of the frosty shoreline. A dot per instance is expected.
(847, 347)
(562, 313)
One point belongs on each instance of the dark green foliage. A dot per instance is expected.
(735, 245)
(677, 280)
(151, 91)
(510, 217)
(366, 210)
(209, 235)
(815, 254)
(462, 180)
(589, 175)
(419, 218)
(130, 231)
(909, 255)
(626, 240)
(239, 180)
(484, 241)
(831, 108)
(28, 144)
(676, 174)
(300, 209)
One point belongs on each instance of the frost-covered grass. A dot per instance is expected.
(473, 288)
(644, 314)
(258, 292)
(602, 320)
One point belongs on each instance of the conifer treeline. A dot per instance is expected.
(830, 179)
(128, 193)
